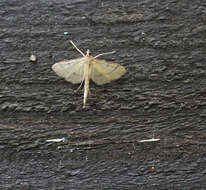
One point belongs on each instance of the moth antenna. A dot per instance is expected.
(104, 54)
(77, 48)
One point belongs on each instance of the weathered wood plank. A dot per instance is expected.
(161, 44)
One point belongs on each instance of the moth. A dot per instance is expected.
(88, 67)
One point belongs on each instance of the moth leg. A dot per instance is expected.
(77, 48)
(104, 54)
(80, 85)
(89, 91)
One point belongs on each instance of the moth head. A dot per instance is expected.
(88, 53)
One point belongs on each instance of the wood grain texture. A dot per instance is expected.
(162, 45)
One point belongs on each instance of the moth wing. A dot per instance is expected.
(104, 72)
(71, 70)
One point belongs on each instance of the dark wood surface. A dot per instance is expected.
(162, 44)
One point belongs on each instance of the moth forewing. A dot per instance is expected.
(104, 72)
(70, 70)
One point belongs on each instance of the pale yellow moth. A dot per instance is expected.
(82, 69)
